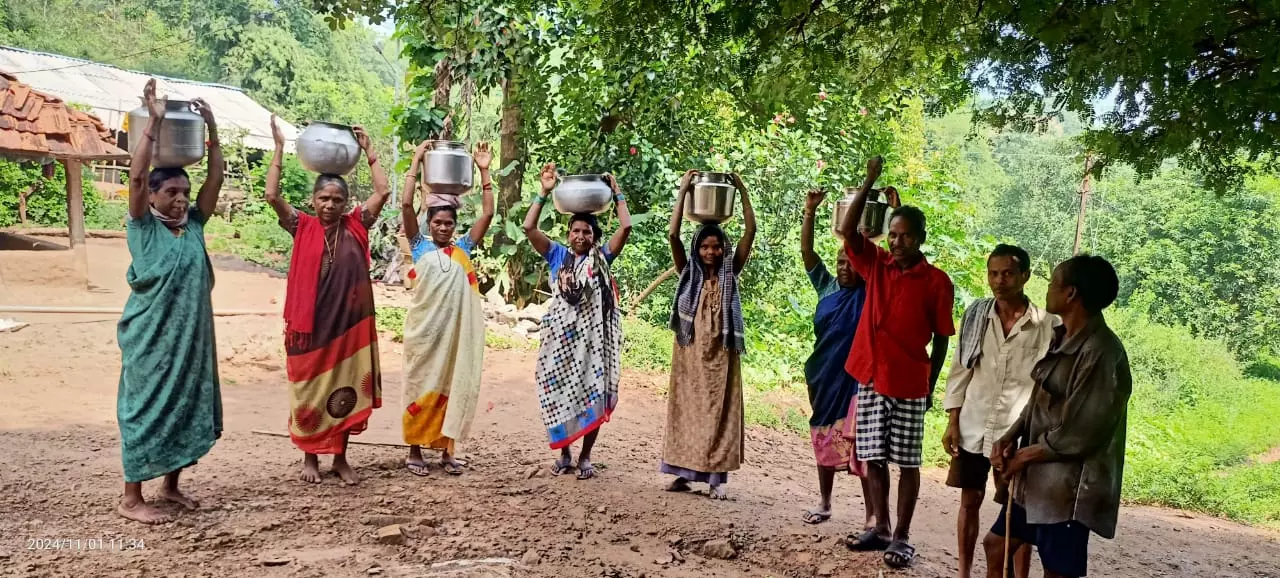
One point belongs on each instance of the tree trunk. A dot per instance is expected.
(22, 201)
(440, 99)
(513, 151)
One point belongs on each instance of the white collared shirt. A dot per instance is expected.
(993, 393)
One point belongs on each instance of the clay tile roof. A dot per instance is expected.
(35, 125)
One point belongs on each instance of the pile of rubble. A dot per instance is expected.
(525, 322)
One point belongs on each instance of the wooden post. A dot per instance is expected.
(1085, 189)
(75, 216)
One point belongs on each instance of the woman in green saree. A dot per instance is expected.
(169, 404)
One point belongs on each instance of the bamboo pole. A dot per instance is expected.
(350, 441)
(116, 310)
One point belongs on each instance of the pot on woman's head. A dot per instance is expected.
(327, 148)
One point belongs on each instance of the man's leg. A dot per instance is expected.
(878, 482)
(908, 493)
(1019, 539)
(993, 546)
(871, 442)
(866, 502)
(904, 447)
(969, 472)
(967, 528)
(1064, 549)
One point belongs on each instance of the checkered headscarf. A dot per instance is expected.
(685, 307)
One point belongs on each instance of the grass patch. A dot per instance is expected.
(391, 320)
(260, 240)
(495, 340)
(109, 215)
(644, 346)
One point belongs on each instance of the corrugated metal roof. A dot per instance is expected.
(111, 92)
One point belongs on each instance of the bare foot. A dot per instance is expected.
(344, 471)
(311, 469)
(718, 493)
(177, 497)
(144, 513)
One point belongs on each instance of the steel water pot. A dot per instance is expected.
(582, 194)
(180, 141)
(447, 168)
(711, 198)
(875, 215)
(327, 148)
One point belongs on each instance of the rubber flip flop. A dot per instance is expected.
(868, 541)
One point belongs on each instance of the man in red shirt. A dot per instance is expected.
(909, 304)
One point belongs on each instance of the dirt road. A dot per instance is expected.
(60, 478)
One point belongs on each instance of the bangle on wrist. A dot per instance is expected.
(539, 199)
(618, 198)
(373, 161)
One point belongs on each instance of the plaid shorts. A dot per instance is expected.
(889, 428)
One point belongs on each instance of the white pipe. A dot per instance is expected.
(117, 310)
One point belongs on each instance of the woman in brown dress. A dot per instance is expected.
(703, 441)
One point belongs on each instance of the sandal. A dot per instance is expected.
(452, 467)
(900, 554)
(717, 493)
(587, 471)
(417, 468)
(868, 541)
(816, 517)
(562, 466)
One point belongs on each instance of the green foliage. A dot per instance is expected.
(280, 52)
(390, 320)
(255, 237)
(645, 346)
(1184, 257)
(1189, 79)
(47, 203)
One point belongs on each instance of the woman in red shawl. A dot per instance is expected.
(330, 337)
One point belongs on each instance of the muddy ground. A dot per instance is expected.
(60, 476)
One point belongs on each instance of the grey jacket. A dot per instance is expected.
(1078, 412)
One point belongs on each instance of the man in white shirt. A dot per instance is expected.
(990, 382)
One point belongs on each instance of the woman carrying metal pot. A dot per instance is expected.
(581, 338)
(703, 440)
(331, 341)
(169, 403)
(444, 325)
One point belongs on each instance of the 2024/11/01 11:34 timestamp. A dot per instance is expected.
(86, 544)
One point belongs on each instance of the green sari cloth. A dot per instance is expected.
(169, 404)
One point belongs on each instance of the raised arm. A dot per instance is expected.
(277, 202)
(381, 189)
(537, 238)
(408, 214)
(679, 257)
(140, 164)
(811, 204)
(619, 238)
(207, 202)
(743, 252)
(483, 157)
(849, 227)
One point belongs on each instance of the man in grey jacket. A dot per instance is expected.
(1066, 451)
